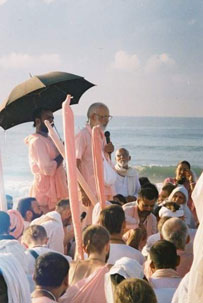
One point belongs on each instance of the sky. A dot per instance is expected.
(145, 56)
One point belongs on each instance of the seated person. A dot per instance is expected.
(133, 291)
(113, 219)
(87, 276)
(29, 209)
(164, 261)
(124, 268)
(16, 224)
(185, 176)
(127, 181)
(54, 223)
(51, 278)
(14, 286)
(176, 231)
(5, 226)
(165, 192)
(180, 196)
(35, 239)
(139, 213)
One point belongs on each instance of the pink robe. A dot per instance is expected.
(83, 145)
(87, 290)
(50, 185)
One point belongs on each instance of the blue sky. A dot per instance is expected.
(144, 55)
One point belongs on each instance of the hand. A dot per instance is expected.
(189, 176)
(109, 148)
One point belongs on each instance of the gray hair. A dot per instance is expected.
(93, 109)
(175, 231)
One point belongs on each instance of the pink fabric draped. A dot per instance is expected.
(87, 290)
(195, 293)
(68, 125)
(60, 148)
(97, 139)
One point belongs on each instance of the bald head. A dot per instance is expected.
(175, 231)
(122, 157)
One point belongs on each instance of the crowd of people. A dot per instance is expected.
(137, 249)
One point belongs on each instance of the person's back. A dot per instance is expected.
(87, 276)
(113, 219)
(51, 278)
(175, 231)
(164, 261)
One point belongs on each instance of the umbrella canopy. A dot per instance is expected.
(48, 91)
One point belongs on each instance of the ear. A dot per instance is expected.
(85, 249)
(65, 281)
(107, 247)
(28, 215)
(188, 239)
(152, 266)
(123, 226)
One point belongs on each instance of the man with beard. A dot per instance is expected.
(127, 181)
(54, 223)
(49, 184)
(86, 277)
(97, 114)
(29, 210)
(139, 214)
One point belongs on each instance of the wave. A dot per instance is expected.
(158, 174)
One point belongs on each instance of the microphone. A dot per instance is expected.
(82, 216)
(107, 135)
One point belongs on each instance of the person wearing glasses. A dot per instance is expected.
(97, 114)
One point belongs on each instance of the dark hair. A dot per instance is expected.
(148, 191)
(112, 218)
(24, 205)
(95, 237)
(50, 270)
(120, 198)
(169, 187)
(63, 203)
(38, 113)
(3, 290)
(184, 162)
(143, 181)
(163, 254)
(4, 222)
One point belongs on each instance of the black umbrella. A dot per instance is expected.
(48, 91)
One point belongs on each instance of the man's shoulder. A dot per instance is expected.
(129, 205)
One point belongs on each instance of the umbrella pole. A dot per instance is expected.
(3, 204)
(68, 125)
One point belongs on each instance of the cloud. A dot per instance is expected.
(192, 21)
(20, 60)
(3, 2)
(157, 62)
(124, 61)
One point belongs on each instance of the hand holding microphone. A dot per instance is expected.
(108, 148)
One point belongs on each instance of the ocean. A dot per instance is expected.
(155, 144)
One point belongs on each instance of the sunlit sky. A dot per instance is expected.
(144, 55)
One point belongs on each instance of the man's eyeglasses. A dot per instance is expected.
(109, 117)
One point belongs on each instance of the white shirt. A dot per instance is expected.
(54, 229)
(118, 251)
